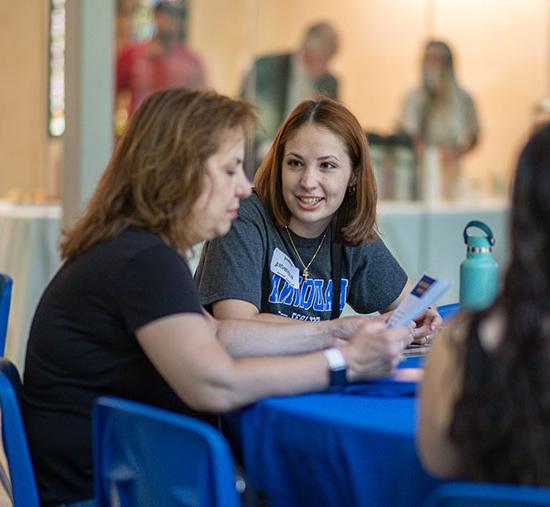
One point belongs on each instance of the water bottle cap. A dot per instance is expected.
(479, 241)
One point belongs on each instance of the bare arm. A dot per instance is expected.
(239, 309)
(197, 367)
(441, 387)
(397, 300)
(244, 331)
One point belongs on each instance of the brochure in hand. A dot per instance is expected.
(426, 292)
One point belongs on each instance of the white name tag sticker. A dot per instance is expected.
(282, 265)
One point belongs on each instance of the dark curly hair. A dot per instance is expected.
(501, 422)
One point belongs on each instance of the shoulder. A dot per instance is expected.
(134, 249)
(185, 51)
(133, 50)
(134, 240)
(491, 328)
(415, 95)
(273, 59)
(374, 246)
(464, 96)
(253, 209)
(150, 249)
(250, 231)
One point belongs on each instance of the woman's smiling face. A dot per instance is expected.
(315, 175)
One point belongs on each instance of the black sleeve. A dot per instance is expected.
(156, 283)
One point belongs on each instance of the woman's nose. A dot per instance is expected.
(244, 187)
(309, 178)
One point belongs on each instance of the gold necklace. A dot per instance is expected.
(305, 272)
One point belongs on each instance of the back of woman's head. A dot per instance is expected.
(356, 217)
(156, 172)
(501, 420)
(530, 212)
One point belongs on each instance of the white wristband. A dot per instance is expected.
(338, 367)
(335, 358)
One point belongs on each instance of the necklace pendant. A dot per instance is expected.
(305, 274)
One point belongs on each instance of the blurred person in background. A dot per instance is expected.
(485, 398)
(277, 82)
(441, 115)
(164, 61)
(125, 26)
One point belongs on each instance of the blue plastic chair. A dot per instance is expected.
(147, 456)
(5, 301)
(22, 486)
(471, 494)
(447, 311)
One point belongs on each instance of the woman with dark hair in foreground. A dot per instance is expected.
(485, 402)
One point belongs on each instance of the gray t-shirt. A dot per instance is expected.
(240, 265)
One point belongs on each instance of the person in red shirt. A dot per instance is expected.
(164, 61)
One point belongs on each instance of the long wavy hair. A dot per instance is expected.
(356, 217)
(157, 170)
(501, 422)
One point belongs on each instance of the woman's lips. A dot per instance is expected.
(309, 203)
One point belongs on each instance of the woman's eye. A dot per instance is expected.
(230, 172)
(328, 165)
(293, 162)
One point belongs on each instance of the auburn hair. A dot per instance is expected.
(157, 169)
(356, 217)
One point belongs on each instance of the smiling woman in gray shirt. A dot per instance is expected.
(309, 227)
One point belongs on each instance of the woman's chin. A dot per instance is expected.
(221, 230)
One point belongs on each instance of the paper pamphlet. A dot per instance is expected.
(425, 292)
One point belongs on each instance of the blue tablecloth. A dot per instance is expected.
(334, 449)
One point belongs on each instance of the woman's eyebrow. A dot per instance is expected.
(297, 155)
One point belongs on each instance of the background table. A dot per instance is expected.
(29, 237)
(333, 450)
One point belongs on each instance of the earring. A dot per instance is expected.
(351, 189)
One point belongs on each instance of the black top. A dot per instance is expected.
(82, 345)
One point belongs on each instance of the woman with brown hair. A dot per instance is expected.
(305, 243)
(122, 316)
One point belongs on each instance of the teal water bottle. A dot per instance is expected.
(479, 271)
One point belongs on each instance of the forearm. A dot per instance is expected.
(267, 335)
(207, 378)
(272, 317)
(248, 379)
(254, 378)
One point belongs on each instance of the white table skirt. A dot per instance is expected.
(29, 237)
